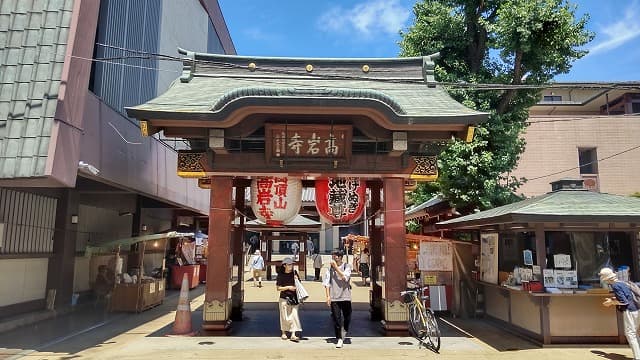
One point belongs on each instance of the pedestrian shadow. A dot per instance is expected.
(610, 356)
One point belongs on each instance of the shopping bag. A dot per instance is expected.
(301, 291)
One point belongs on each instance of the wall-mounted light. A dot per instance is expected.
(144, 227)
(74, 219)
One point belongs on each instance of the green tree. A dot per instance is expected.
(509, 43)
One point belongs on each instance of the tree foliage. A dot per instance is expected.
(509, 42)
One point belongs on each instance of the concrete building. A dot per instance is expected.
(584, 130)
(74, 169)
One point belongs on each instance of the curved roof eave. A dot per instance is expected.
(234, 111)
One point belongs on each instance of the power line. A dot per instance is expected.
(452, 85)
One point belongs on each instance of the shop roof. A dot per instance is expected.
(213, 86)
(124, 243)
(422, 209)
(575, 206)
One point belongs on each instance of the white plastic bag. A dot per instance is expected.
(301, 292)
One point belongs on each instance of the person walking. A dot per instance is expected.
(310, 247)
(337, 285)
(295, 248)
(257, 266)
(363, 266)
(623, 300)
(288, 301)
(317, 264)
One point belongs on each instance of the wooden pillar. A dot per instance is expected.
(217, 303)
(237, 291)
(541, 248)
(60, 271)
(395, 257)
(375, 248)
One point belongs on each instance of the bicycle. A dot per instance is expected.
(422, 320)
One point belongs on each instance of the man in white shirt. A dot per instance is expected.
(337, 285)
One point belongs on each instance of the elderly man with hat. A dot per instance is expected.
(257, 265)
(624, 302)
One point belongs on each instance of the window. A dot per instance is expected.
(553, 98)
(588, 160)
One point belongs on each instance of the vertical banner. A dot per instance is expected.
(489, 257)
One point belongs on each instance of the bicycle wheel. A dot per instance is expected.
(433, 331)
(418, 323)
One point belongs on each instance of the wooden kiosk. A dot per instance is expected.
(566, 236)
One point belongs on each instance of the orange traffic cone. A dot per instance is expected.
(182, 324)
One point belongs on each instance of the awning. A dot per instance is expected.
(109, 246)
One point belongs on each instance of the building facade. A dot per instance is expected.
(74, 169)
(584, 130)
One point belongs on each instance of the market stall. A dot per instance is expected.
(539, 260)
(137, 270)
(187, 256)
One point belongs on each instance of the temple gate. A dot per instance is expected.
(382, 121)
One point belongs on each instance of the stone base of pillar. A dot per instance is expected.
(395, 328)
(215, 328)
(216, 316)
(395, 318)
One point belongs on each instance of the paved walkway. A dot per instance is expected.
(92, 333)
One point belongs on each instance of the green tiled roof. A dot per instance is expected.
(212, 86)
(33, 39)
(558, 206)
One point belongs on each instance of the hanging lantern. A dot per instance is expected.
(276, 200)
(340, 200)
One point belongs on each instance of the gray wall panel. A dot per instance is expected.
(29, 222)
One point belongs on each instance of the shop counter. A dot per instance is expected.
(137, 297)
(549, 318)
(177, 272)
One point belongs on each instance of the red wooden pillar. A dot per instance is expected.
(395, 262)
(237, 291)
(375, 248)
(217, 303)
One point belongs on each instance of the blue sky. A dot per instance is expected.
(360, 28)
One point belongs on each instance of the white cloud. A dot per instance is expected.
(366, 18)
(620, 32)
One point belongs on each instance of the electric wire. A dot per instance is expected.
(273, 70)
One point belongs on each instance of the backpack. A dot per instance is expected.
(635, 291)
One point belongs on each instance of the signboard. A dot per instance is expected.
(435, 256)
(430, 280)
(489, 257)
(562, 261)
(528, 257)
(340, 200)
(307, 142)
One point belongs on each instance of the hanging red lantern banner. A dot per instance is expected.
(340, 200)
(276, 200)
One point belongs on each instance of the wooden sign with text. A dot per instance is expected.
(308, 142)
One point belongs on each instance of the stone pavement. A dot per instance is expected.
(92, 333)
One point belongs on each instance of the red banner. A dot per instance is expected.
(340, 200)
